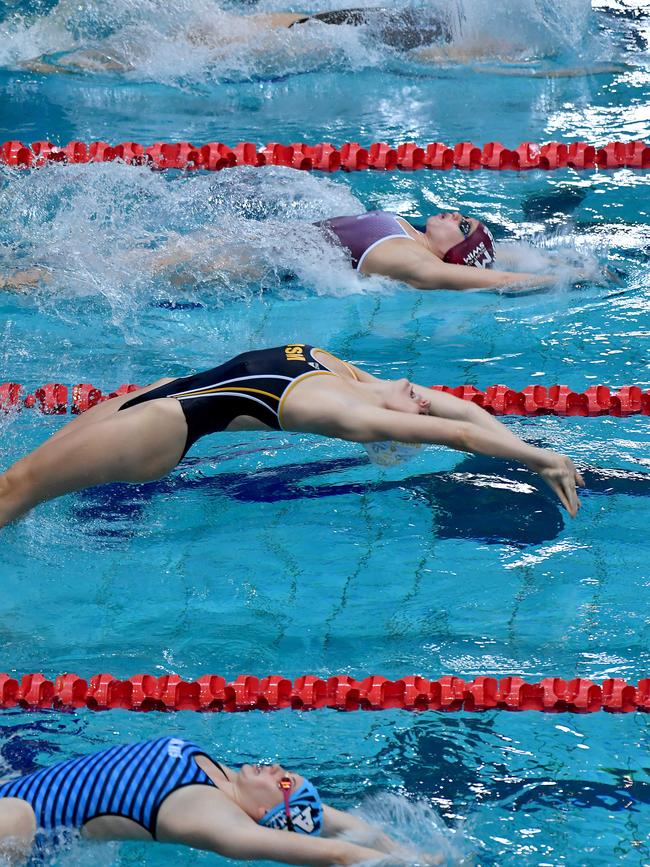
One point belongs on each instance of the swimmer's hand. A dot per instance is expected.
(599, 276)
(560, 474)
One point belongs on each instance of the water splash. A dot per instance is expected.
(418, 828)
(127, 235)
(205, 41)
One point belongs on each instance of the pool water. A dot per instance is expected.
(290, 554)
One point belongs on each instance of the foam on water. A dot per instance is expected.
(114, 231)
(418, 827)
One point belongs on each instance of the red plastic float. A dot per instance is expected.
(145, 692)
(559, 400)
(350, 156)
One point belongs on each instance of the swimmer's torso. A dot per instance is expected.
(123, 783)
(254, 385)
(362, 233)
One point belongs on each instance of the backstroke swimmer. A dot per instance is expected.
(427, 35)
(452, 251)
(170, 790)
(143, 436)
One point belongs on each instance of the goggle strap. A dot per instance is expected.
(285, 785)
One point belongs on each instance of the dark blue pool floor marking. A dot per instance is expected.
(464, 508)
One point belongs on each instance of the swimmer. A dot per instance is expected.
(453, 251)
(401, 29)
(169, 790)
(142, 436)
(427, 36)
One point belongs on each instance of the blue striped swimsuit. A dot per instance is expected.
(130, 781)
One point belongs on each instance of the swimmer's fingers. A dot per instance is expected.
(561, 477)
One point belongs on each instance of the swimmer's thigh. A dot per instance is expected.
(17, 828)
(104, 409)
(136, 445)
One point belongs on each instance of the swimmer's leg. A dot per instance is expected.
(103, 410)
(17, 830)
(140, 444)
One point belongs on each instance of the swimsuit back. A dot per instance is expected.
(402, 29)
(130, 781)
(362, 233)
(253, 384)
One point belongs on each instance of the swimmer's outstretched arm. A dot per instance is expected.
(471, 53)
(216, 826)
(417, 267)
(460, 425)
(342, 822)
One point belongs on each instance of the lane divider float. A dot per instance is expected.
(325, 157)
(211, 692)
(54, 398)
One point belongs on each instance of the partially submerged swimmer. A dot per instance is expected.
(403, 29)
(426, 34)
(453, 251)
(170, 790)
(143, 436)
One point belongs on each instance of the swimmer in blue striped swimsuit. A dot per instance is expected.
(293, 387)
(170, 790)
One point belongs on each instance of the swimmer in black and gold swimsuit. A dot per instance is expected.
(294, 387)
(253, 384)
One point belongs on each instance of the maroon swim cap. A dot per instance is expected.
(476, 249)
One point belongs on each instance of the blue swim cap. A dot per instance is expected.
(301, 812)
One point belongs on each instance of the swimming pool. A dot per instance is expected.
(264, 555)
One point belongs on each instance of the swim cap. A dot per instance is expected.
(476, 249)
(301, 812)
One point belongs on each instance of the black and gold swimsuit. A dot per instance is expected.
(253, 384)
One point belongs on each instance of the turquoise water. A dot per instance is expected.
(288, 554)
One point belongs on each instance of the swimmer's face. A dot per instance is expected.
(258, 788)
(447, 229)
(402, 396)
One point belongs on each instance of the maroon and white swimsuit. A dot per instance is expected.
(363, 233)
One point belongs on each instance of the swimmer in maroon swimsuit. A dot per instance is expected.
(452, 252)
(296, 387)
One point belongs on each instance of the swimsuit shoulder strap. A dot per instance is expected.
(348, 366)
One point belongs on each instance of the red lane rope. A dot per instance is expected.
(212, 692)
(560, 400)
(325, 157)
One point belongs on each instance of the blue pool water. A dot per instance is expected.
(289, 554)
